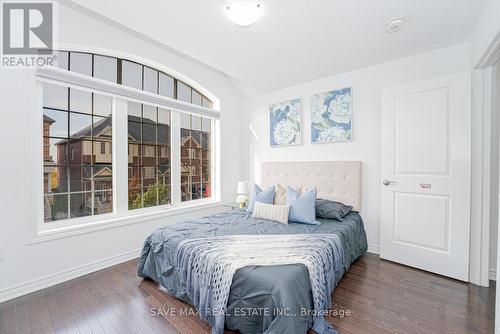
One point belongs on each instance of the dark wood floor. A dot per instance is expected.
(382, 297)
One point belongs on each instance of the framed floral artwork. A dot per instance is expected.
(285, 123)
(331, 116)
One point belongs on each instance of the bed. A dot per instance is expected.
(257, 289)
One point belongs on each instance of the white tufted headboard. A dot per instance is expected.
(335, 180)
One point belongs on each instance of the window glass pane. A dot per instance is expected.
(134, 198)
(196, 98)
(150, 80)
(205, 173)
(80, 101)
(164, 135)
(196, 123)
(103, 202)
(148, 176)
(47, 158)
(105, 68)
(164, 196)
(148, 134)
(134, 177)
(163, 116)
(185, 192)
(81, 63)
(55, 96)
(79, 178)
(55, 207)
(185, 121)
(206, 192)
(150, 196)
(131, 74)
(183, 92)
(196, 190)
(62, 59)
(102, 128)
(80, 204)
(205, 124)
(134, 133)
(148, 155)
(206, 102)
(55, 179)
(55, 123)
(102, 152)
(102, 176)
(166, 85)
(57, 151)
(102, 105)
(149, 114)
(134, 111)
(80, 126)
(163, 157)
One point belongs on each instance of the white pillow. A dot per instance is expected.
(277, 213)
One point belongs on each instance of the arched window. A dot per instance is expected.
(132, 74)
(163, 158)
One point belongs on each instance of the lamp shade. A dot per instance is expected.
(243, 12)
(243, 188)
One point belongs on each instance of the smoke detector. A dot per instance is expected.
(394, 24)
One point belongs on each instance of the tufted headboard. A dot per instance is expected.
(335, 180)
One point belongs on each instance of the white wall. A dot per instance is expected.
(26, 266)
(367, 85)
(485, 34)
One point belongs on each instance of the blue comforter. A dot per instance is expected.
(255, 289)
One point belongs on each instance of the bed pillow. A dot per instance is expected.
(302, 206)
(331, 210)
(259, 195)
(280, 194)
(277, 213)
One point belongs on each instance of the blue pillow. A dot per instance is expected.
(302, 206)
(258, 195)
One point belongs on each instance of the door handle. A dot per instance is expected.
(386, 182)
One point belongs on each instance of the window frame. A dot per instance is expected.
(121, 214)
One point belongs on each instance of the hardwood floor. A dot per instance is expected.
(382, 297)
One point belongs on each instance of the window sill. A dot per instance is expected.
(114, 221)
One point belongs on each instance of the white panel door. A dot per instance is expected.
(425, 212)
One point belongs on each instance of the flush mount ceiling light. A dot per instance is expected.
(394, 24)
(243, 12)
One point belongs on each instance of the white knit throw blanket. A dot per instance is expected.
(207, 266)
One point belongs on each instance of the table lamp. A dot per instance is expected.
(242, 192)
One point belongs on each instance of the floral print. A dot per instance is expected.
(331, 116)
(285, 123)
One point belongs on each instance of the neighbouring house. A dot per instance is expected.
(84, 163)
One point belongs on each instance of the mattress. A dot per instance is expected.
(263, 299)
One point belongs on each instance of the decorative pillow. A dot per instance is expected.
(302, 206)
(280, 194)
(331, 210)
(259, 195)
(277, 213)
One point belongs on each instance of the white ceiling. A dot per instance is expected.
(296, 40)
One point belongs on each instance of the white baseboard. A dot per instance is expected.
(18, 290)
(374, 249)
(492, 275)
